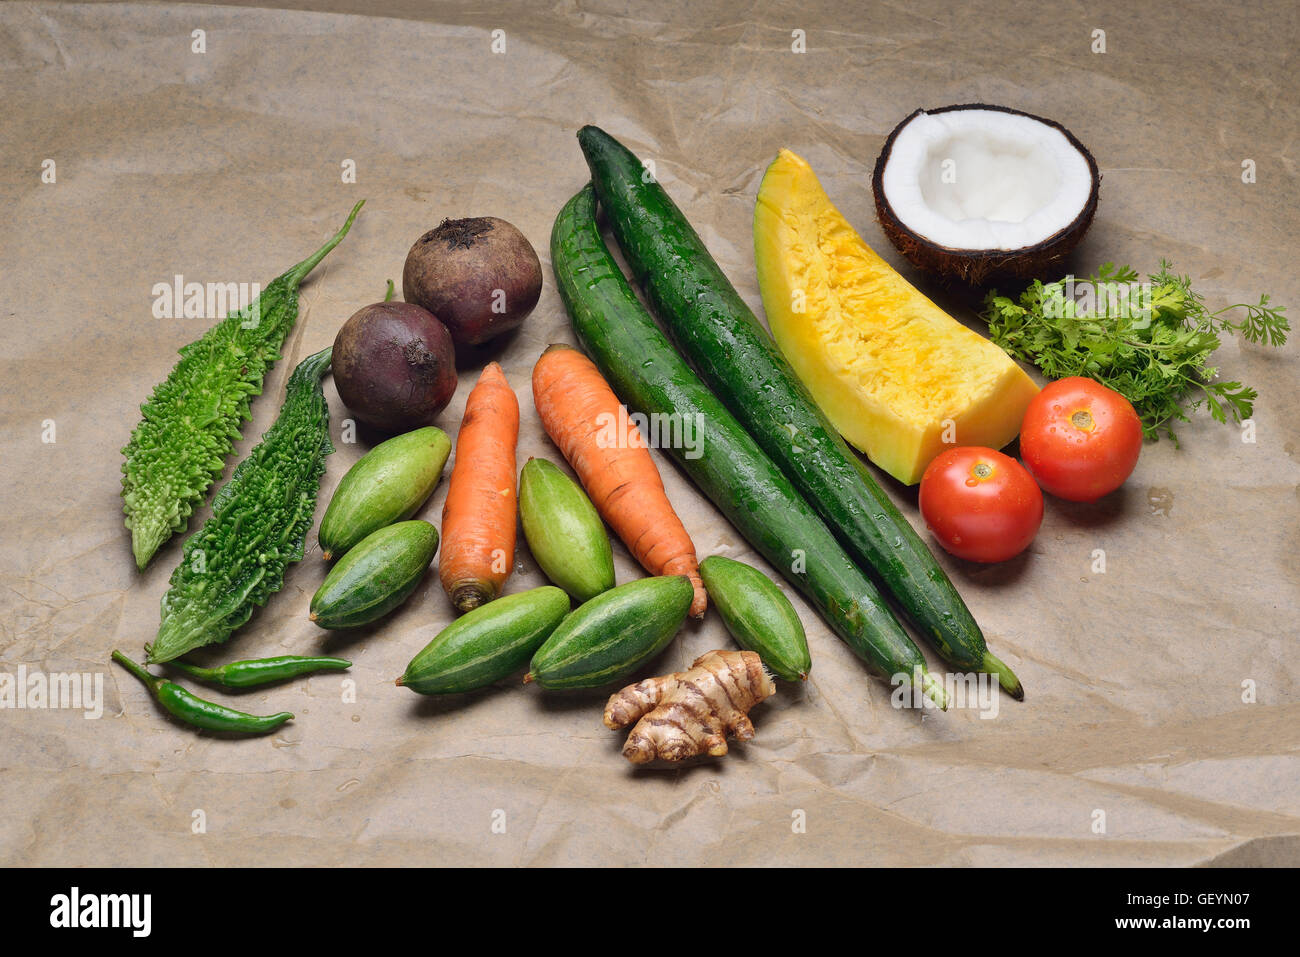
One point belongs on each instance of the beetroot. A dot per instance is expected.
(394, 366)
(481, 277)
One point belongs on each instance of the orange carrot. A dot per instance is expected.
(591, 427)
(478, 519)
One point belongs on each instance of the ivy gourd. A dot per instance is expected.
(190, 423)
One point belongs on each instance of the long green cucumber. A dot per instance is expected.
(487, 644)
(388, 484)
(376, 576)
(758, 615)
(564, 531)
(612, 635)
(737, 357)
(652, 378)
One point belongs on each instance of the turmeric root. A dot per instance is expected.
(691, 712)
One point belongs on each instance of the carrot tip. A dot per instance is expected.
(700, 603)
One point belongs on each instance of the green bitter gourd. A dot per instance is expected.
(193, 418)
(260, 519)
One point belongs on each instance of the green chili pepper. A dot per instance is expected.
(259, 671)
(194, 710)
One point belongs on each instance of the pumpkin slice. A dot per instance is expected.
(896, 375)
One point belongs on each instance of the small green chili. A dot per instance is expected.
(260, 671)
(186, 707)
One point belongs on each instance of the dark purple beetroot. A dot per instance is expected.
(394, 366)
(480, 276)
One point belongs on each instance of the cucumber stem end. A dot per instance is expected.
(992, 665)
(933, 689)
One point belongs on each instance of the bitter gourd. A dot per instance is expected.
(191, 422)
(259, 522)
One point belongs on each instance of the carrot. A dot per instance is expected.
(591, 427)
(478, 519)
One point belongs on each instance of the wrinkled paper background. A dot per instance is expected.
(225, 166)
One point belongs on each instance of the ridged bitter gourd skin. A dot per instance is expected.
(259, 521)
(190, 424)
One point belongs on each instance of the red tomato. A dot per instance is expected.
(1079, 439)
(980, 504)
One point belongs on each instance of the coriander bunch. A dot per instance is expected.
(1153, 342)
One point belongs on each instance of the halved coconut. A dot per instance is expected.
(976, 191)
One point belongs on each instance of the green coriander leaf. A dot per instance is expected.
(1152, 343)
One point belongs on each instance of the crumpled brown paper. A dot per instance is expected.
(1138, 741)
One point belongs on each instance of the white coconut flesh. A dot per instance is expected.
(984, 179)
